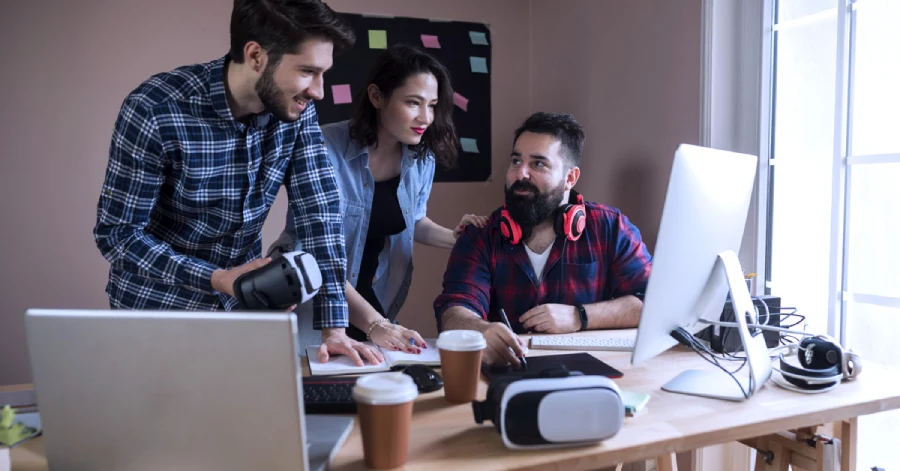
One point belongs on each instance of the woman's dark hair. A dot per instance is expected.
(391, 70)
(280, 26)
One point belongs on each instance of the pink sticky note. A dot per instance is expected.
(341, 94)
(460, 101)
(430, 41)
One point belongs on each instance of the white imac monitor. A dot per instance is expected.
(695, 265)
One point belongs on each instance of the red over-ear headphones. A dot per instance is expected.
(568, 220)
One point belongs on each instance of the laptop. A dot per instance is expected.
(147, 390)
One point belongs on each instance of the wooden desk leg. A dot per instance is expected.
(848, 433)
(782, 459)
(666, 463)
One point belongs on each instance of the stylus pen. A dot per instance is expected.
(506, 320)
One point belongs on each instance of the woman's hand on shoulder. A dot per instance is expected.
(479, 221)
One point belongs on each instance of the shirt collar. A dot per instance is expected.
(219, 99)
(217, 89)
(355, 150)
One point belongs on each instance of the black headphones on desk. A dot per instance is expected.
(824, 363)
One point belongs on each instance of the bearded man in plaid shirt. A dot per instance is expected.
(198, 155)
(549, 268)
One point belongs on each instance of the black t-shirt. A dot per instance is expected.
(385, 220)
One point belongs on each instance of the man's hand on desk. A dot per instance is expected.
(336, 342)
(552, 319)
(503, 346)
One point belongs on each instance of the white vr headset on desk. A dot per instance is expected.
(552, 408)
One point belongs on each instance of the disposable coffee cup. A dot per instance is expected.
(384, 404)
(461, 352)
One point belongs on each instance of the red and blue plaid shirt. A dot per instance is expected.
(486, 272)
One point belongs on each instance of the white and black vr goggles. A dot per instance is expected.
(552, 408)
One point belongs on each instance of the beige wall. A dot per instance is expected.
(628, 70)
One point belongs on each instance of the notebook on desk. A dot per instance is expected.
(343, 365)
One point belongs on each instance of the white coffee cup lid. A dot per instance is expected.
(461, 340)
(385, 389)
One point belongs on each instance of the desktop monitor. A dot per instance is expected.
(695, 265)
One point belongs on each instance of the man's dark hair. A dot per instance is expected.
(391, 69)
(280, 26)
(561, 126)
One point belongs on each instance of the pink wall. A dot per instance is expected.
(628, 70)
(78, 60)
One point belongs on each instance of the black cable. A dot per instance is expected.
(788, 326)
(681, 333)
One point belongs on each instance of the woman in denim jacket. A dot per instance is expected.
(384, 160)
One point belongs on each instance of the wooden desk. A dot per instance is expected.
(447, 437)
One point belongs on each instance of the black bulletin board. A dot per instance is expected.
(464, 50)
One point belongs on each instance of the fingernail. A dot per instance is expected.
(424, 345)
(395, 348)
(418, 351)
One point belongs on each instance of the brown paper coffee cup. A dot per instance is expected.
(461, 352)
(384, 404)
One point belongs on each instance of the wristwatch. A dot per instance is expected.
(582, 313)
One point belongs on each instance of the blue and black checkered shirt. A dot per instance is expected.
(188, 188)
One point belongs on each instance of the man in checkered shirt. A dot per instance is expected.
(198, 155)
(546, 268)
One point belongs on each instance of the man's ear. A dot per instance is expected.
(572, 177)
(375, 96)
(255, 56)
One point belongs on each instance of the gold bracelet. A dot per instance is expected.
(372, 327)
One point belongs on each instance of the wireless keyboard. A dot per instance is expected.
(330, 395)
(562, 342)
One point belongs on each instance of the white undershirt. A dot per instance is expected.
(538, 260)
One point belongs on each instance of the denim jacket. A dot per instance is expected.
(357, 187)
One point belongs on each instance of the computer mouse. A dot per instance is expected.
(426, 379)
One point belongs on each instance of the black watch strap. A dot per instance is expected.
(582, 313)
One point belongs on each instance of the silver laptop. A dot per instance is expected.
(146, 390)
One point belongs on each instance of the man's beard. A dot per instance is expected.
(531, 210)
(273, 99)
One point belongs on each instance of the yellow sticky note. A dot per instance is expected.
(377, 39)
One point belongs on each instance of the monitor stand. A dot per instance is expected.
(718, 384)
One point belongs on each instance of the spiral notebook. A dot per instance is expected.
(343, 365)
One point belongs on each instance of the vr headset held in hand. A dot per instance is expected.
(552, 408)
(292, 278)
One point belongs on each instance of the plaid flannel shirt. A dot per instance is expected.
(188, 188)
(486, 272)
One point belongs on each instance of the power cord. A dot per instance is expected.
(687, 338)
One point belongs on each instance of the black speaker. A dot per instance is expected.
(728, 339)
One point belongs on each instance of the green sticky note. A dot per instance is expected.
(634, 402)
(469, 145)
(478, 38)
(377, 39)
(479, 64)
